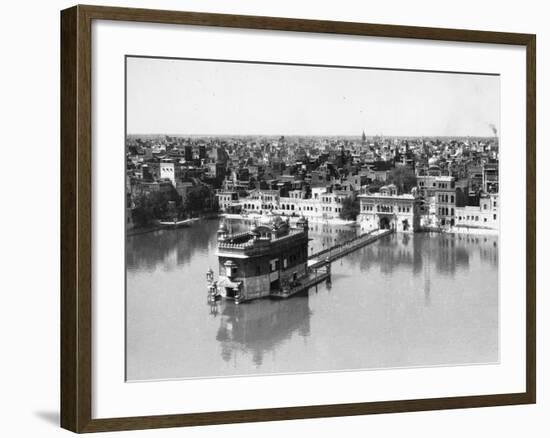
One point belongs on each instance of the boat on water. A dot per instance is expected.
(174, 223)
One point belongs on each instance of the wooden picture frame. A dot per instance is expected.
(76, 217)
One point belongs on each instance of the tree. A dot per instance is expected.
(143, 214)
(403, 177)
(350, 208)
(152, 206)
(198, 199)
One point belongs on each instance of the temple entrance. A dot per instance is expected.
(384, 223)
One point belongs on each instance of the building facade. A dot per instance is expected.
(168, 171)
(269, 257)
(228, 201)
(323, 203)
(484, 216)
(445, 201)
(388, 210)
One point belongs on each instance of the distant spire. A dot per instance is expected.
(363, 138)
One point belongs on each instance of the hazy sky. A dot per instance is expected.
(199, 97)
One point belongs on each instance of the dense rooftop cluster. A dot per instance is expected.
(324, 177)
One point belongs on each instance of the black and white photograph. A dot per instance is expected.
(294, 218)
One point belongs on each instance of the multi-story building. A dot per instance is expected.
(227, 200)
(298, 205)
(266, 259)
(426, 185)
(313, 177)
(445, 201)
(486, 215)
(331, 203)
(388, 210)
(215, 170)
(490, 177)
(261, 201)
(188, 153)
(168, 171)
(323, 204)
(475, 178)
(202, 152)
(379, 171)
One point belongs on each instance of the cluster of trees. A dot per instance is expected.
(403, 177)
(198, 199)
(148, 208)
(350, 208)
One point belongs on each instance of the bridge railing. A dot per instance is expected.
(343, 244)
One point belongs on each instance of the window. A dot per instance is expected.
(495, 217)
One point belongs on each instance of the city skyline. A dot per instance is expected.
(205, 98)
(247, 252)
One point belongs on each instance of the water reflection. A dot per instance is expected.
(256, 328)
(444, 252)
(324, 236)
(169, 248)
(406, 300)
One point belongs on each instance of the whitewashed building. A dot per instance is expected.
(168, 171)
(484, 216)
(389, 210)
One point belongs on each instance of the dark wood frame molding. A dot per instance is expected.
(76, 238)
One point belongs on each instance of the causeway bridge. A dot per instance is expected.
(342, 249)
(319, 262)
